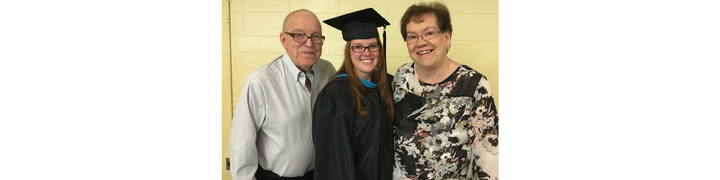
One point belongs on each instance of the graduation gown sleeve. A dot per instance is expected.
(333, 119)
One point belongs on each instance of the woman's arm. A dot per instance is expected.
(333, 117)
(484, 128)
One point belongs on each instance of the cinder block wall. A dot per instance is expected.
(255, 26)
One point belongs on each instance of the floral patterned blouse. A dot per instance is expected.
(447, 130)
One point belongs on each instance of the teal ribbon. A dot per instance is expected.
(365, 82)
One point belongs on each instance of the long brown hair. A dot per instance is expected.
(358, 89)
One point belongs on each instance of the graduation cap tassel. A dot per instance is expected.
(385, 47)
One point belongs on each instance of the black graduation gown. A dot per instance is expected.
(347, 145)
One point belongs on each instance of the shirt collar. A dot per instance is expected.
(294, 69)
(290, 65)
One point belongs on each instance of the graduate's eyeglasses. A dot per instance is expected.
(360, 49)
(413, 38)
(302, 38)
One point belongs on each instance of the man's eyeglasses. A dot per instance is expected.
(302, 38)
(360, 49)
(413, 38)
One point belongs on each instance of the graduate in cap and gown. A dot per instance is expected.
(352, 117)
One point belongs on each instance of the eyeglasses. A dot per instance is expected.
(360, 49)
(413, 38)
(302, 38)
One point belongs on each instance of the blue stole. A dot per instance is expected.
(365, 82)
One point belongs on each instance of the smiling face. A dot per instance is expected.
(303, 54)
(366, 61)
(428, 53)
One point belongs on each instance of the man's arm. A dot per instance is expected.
(249, 117)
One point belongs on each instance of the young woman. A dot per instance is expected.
(352, 117)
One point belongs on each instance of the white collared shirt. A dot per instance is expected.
(272, 124)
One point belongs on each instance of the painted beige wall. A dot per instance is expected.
(251, 39)
(226, 85)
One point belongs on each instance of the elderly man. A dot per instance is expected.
(271, 136)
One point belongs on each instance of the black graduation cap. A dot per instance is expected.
(360, 24)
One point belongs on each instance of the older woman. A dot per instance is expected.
(446, 124)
